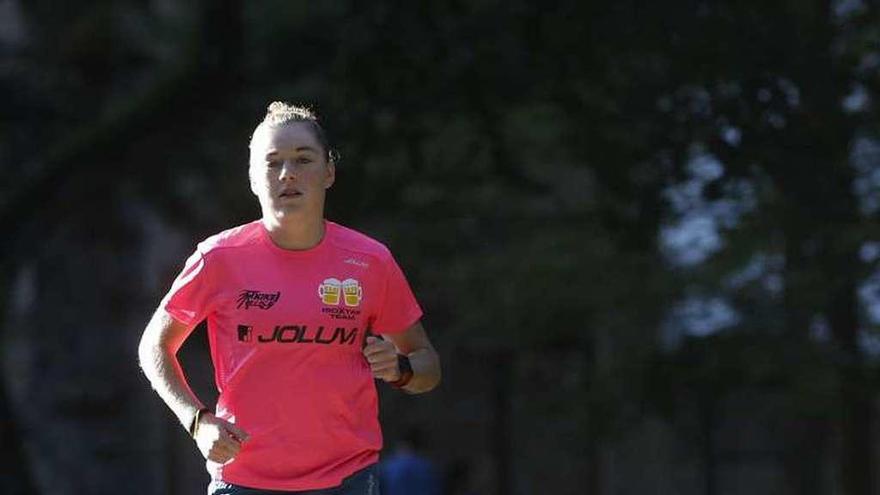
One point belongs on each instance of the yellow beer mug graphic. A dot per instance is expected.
(328, 291)
(352, 291)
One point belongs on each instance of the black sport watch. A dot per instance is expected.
(406, 371)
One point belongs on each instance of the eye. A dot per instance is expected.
(273, 163)
(303, 160)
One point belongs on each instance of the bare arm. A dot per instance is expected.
(414, 342)
(218, 439)
(157, 352)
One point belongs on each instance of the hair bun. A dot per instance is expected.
(280, 112)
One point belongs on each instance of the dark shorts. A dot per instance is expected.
(363, 482)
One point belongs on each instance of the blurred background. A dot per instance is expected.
(644, 233)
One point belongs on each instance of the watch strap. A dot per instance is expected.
(406, 372)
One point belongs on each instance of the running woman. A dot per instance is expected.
(294, 304)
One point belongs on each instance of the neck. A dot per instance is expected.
(295, 233)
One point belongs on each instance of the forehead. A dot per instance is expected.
(285, 138)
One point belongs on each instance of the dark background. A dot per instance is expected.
(644, 233)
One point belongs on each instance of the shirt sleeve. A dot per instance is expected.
(192, 294)
(398, 309)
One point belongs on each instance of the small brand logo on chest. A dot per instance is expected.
(356, 262)
(248, 299)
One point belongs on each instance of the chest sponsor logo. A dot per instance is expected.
(300, 334)
(254, 298)
(340, 297)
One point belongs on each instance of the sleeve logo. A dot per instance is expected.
(254, 298)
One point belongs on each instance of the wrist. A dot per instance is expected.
(196, 418)
(406, 372)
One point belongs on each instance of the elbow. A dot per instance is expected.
(436, 376)
(434, 384)
(151, 353)
(437, 381)
(428, 386)
(146, 354)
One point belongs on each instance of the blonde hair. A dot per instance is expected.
(280, 113)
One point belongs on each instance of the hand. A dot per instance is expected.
(218, 439)
(382, 358)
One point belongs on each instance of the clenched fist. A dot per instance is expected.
(218, 439)
(382, 358)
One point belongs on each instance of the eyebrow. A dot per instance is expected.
(299, 149)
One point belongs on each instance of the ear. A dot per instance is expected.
(331, 174)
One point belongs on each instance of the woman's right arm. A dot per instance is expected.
(217, 439)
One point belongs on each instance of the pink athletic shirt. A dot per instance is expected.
(286, 329)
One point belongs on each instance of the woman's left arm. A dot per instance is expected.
(415, 345)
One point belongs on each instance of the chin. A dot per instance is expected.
(291, 211)
(286, 212)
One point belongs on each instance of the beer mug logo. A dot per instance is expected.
(328, 291)
(352, 292)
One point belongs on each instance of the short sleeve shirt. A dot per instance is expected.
(286, 329)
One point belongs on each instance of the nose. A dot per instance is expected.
(288, 170)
